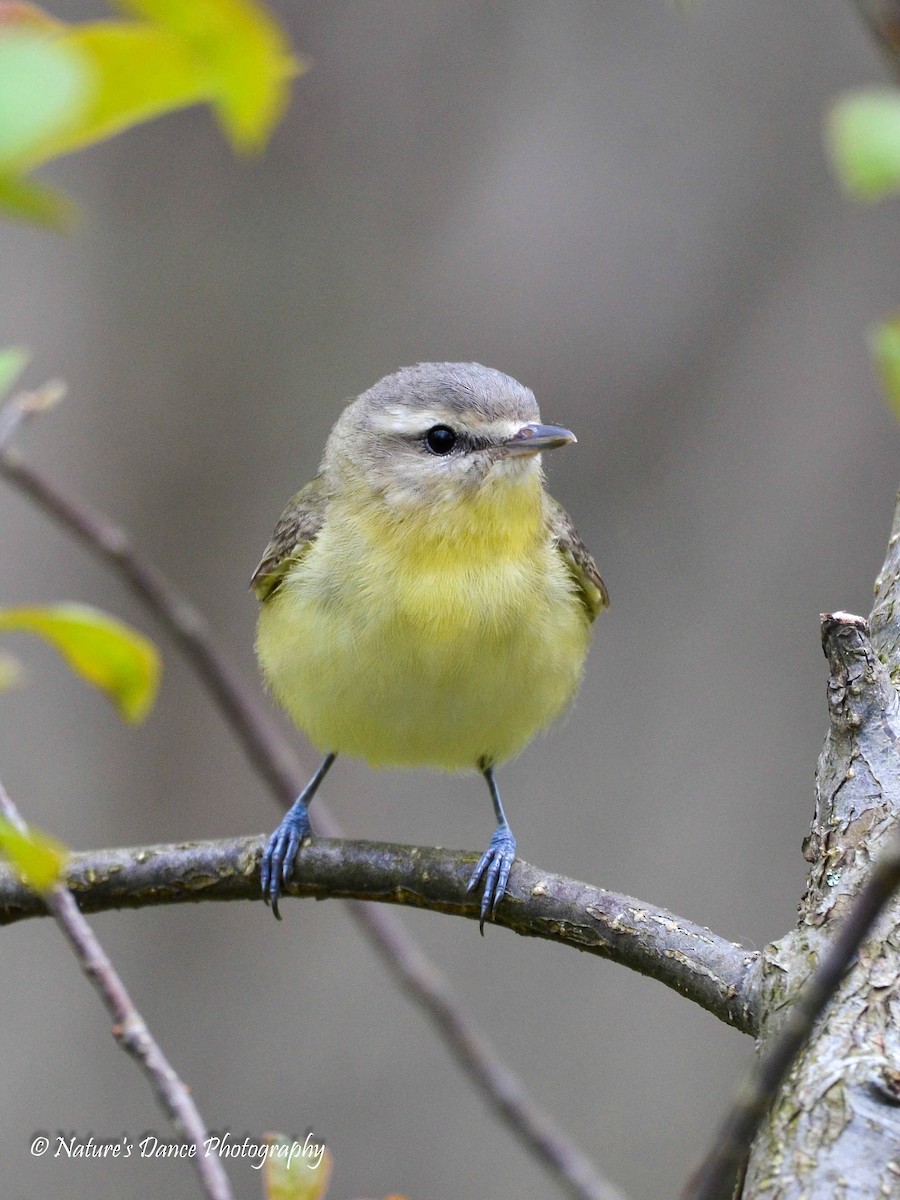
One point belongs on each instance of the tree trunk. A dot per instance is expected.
(834, 1130)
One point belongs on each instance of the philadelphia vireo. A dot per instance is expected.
(425, 601)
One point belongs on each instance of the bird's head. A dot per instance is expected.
(440, 434)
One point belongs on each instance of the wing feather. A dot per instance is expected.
(294, 533)
(578, 559)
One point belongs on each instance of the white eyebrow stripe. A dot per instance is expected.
(401, 421)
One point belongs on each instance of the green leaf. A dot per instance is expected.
(884, 343)
(44, 87)
(291, 1174)
(13, 362)
(110, 655)
(863, 137)
(37, 858)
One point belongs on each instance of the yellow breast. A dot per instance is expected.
(426, 642)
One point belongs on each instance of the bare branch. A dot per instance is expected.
(274, 760)
(883, 20)
(714, 973)
(129, 1028)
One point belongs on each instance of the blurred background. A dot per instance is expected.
(627, 207)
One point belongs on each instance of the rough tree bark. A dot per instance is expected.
(834, 1130)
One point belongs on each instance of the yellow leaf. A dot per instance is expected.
(64, 87)
(29, 201)
(295, 1170)
(229, 53)
(107, 653)
(139, 72)
(36, 858)
(242, 53)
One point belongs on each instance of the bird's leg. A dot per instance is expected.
(281, 848)
(497, 860)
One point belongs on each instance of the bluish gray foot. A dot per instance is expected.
(494, 865)
(279, 854)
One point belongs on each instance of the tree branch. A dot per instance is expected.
(274, 759)
(129, 1028)
(241, 705)
(835, 1124)
(717, 1176)
(712, 972)
(719, 975)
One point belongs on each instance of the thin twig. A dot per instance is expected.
(129, 1027)
(883, 20)
(650, 940)
(272, 757)
(242, 706)
(25, 405)
(715, 1178)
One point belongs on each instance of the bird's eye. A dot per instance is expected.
(440, 439)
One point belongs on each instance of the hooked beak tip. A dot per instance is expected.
(533, 438)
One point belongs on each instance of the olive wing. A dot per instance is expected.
(591, 587)
(295, 532)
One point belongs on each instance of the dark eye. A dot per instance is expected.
(440, 439)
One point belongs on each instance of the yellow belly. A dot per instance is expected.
(434, 662)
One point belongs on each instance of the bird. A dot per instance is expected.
(424, 601)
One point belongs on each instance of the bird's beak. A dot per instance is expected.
(533, 438)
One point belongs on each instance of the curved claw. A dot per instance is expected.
(494, 865)
(278, 857)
